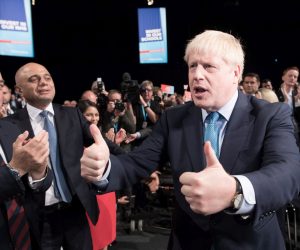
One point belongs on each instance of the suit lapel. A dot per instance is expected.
(23, 119)
(193, 131)
(7, 138)
(237, 131)
(62, 125)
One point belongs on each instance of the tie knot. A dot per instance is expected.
(212, 117)
(44, 114)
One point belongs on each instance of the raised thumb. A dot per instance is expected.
(210, 155)
(95, 131)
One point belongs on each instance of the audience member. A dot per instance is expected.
(227, 190)
(89, 95)
(146, 113)
(158, 97)
(104, 232)
(17, 99)
(288, 92)
(10, 109)
(117, 116)
(266, 83)
(251, 83)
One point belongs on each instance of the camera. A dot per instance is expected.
(100, 85)
(119, 105)
(102, 99)
(130, 91)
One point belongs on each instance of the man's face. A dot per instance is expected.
(112, 99)
(6, 94)
(89, 95)
(36, 84)
(250, 85)
(290, 78)
(147, 93)
(267, 85)
(212, 81)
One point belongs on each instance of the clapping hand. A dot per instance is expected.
(31, 156)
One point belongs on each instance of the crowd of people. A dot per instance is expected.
(234, 157)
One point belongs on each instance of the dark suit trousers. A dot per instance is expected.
(66, 226)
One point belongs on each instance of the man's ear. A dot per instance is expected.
(237, 74)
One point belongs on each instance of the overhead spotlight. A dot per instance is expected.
(150, 2)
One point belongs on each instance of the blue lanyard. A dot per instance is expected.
(116, 127)
(145, 115)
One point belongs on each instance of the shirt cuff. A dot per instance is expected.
(249, 200)
(34, 184)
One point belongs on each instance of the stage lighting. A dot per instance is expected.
(150, 2)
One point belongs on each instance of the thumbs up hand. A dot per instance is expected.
(95, 157)
(210, 190)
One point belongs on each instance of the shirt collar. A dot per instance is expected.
(226, 110)
(34, 113)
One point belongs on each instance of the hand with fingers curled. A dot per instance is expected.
(110, 134)
(31, 156)
(95, 157)
(153, 181)
(120, 136)
(131, 137)
(210, 190)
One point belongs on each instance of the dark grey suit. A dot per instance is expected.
(259, 143)
(10, 188)
(73, 136)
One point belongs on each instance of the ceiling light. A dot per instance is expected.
(150, 2)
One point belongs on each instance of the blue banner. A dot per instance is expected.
(152, 35)
(16, 28)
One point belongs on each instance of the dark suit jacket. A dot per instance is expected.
(10, 188)
(259, 143)
(73, 135)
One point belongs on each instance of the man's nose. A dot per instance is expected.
(199, 73)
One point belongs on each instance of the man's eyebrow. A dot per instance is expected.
(33, 76)
(37, 75)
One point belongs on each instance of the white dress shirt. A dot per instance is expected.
(249, 200)
(37, 123)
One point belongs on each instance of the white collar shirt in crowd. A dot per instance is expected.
(37, 123)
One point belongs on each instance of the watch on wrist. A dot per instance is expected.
(238, 196)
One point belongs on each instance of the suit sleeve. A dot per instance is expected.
(9, 186)
(276, 182)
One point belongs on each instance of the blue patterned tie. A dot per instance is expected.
(60, 188)
(212, 131)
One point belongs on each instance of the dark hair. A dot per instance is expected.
(83, 105)
(290, 68)
(252, 75)
(266, 80)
